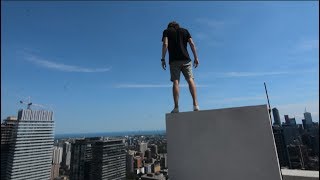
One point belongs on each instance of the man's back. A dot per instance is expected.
(177, 43)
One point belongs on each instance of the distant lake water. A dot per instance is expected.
(108, 134)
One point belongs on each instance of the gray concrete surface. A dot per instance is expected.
(224, 144)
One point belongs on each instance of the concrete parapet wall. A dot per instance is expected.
(223, 144)
(290, 174)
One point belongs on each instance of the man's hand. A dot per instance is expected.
(196, 63)
(164, 66)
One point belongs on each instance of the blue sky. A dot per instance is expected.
(97, 64)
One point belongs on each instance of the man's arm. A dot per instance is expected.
(193, 48)
(164, 51)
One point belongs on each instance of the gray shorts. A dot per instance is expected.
(181, 66)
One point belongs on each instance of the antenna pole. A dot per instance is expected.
(265, 87)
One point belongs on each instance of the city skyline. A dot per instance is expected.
(97, 64)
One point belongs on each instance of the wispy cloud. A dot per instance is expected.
(250, 74)
(211, 30)
(62, 67)
(307, 45)
(303, 46)
(201, 35)
(151, 85)
(239, 99)
(211, 23)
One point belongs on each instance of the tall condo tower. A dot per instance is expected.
(31, 147)
(6, 133)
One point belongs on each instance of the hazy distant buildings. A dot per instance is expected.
(30, 153)
(289, 121)
(6, 134)
(297, 145)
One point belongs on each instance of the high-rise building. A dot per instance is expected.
(130, 162)
(95, 158)
(147, 155)
(81, 158)
(57, 155)
(56, 160)
(143, 147)
(308, 120)
(6, 134)
(109, 159)
(6, 129)
(290, 121)
(79, 153)
(137, 162)
(30, 153)
(290, 133)
(280, 145)
(276, 117)
(164, 161)
(154, 150)
(66, 155)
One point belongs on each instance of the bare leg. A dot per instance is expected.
(175, 92)
(192, 88)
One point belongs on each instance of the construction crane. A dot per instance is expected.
(30, 103)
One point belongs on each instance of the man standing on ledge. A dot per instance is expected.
(176, 39)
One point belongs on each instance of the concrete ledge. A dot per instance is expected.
(223, 144)
(289, 174)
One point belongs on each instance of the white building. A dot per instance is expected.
(143, 147)
(57, 155)
(30, 153)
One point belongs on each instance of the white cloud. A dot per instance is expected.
(151, 85)
(250, 74)
(62, 67)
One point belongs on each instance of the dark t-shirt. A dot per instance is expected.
(177, 44)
